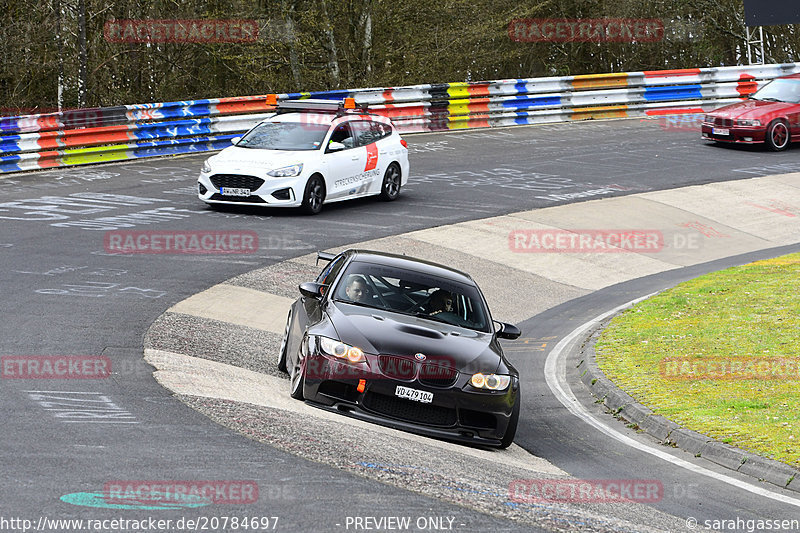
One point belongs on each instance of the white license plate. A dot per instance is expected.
(233, 191)
(721, 131)
(413, 394)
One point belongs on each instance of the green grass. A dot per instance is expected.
(748, 314)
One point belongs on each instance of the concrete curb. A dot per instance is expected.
(669, 433)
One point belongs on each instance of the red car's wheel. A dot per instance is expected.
(777, 137)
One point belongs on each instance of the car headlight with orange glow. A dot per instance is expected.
(340, 350)
(490, 381)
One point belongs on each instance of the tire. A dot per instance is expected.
(777, 136)
(298, 381)
(390, 188)
(314, 195)
(511, 430)
(284, 343)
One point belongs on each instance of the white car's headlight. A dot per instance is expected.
(490, 381)
(341, 350)
(206, 166)
(286, 172)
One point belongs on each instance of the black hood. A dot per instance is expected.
(380, 332)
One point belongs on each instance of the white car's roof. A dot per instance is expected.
(323, 118)
(308, 118)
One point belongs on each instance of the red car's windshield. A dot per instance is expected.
(780, 90)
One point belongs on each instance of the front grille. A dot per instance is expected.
(248, 199)
(397, 367)
(238, 181)
(410, 411)
(724, 122)
(437, 375)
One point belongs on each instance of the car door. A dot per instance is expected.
(343, 169)
(368, 136)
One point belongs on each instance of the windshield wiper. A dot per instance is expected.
(769, 99)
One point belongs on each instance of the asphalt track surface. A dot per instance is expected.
(64, 295)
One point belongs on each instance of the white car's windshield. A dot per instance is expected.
(780, 91)
(285, 136)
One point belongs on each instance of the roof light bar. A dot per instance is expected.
(320, 106)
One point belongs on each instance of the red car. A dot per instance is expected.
(771, 115)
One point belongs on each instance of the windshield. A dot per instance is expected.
(413, 293)
(285, 136)
(787, 90)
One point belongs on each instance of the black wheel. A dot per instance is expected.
(390, 189)
(298, 379)
(777, 137)
(284, 342)
(314, 195)
(511, 431)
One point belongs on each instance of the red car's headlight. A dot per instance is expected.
(748, 122)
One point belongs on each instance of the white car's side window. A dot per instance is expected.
(342, 134)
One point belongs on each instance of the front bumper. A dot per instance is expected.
(736, 134)
(264, 191)
(458, 412)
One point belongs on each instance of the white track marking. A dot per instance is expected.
(555, 370)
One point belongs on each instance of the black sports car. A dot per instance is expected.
(404, 343)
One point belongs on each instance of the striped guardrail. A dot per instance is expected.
(133, 131)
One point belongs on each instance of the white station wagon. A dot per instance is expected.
(309, 153)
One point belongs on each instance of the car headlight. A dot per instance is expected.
(286, 172)
(341, 350)
(748, 122)
(206, 166)
(708, 118)
(490, 381)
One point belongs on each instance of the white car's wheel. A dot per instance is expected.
(314, 195)
(390, 188)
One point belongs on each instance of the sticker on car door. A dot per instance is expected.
(372, 157)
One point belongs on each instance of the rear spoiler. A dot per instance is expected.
(325, 256)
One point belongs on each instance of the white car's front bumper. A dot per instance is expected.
(264, 191)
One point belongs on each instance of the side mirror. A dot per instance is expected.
(236, 140)
(335, 147)
(311, 289)
(507, 331)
